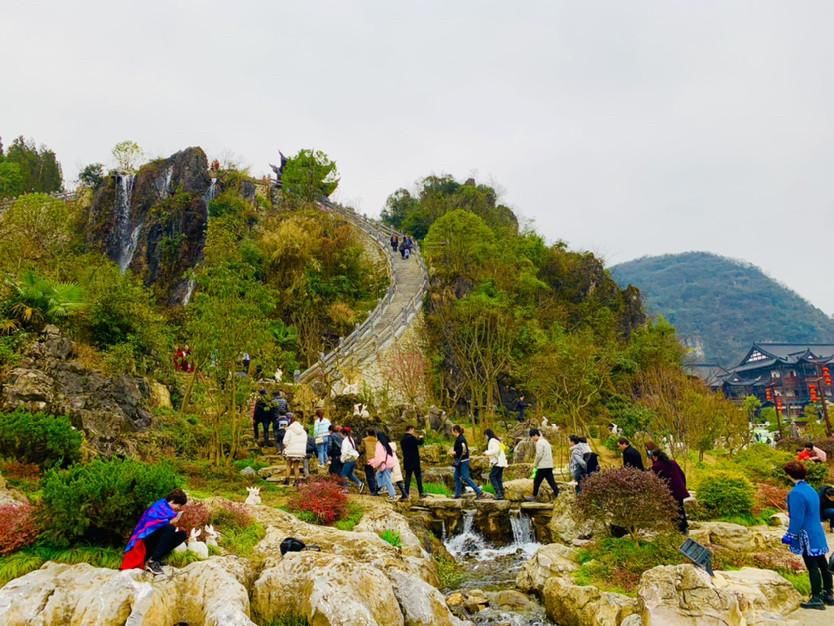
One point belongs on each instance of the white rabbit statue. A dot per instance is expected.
(254, 497)
(211, 535)
(197, 547)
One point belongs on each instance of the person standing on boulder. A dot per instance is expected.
(321, 432)
(369, 448)
(543, 464)
(497, 462)
(805, 536)
(672, 473)
(156, 534)
(461, 463)
(631, 456)
(410, 445)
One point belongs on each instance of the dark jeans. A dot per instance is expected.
(545, 474)
(370, 479)
(462, 478)
(265, 424)
(828, 514)
(683, 524)
(347, 472)
(414, 471)
(496, 479)
(578, 477)
(159, 543)
(819, 574)
(335, 466)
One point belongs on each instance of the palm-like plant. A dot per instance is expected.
(37, 300)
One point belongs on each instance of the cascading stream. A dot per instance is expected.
(127, 237)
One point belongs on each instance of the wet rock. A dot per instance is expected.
(511, 600)
(684, 595)
(553, 559)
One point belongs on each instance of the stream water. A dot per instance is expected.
(494, 568)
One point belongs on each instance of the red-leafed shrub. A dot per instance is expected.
(628, 498)
(18, 526)
(770, 497)
(324, 498)
(194, 515)
(231, 515)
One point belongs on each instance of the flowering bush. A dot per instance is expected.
(627, 498)
(323, 497)
(18, 526)
(194, 515)
(231, 515)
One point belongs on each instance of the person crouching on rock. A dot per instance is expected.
(156, 534)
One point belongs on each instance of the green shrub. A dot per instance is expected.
(44, 440)
(725, 494)
(817, 474)
(759, 462)
(102, 501)
(392, 537)
(354, 516)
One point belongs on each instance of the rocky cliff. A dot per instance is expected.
(154, 221)
(51, 379)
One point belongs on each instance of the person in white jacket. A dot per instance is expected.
(348, 459)
(497, 462)
(543, 463)
(397, 472)
(295, 449)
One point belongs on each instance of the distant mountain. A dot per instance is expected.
(721, 306)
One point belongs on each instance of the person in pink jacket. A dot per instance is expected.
(383, 463)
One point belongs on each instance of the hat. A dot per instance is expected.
(346, 429)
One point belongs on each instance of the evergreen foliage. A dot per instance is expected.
(726, 304)
(44, 440)
(724, 494)
(25, 168)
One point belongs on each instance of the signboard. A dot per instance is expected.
(698, 554)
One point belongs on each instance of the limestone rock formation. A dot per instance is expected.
(553, 559)
(50, 379)
(155, 222)
(569, 604)
(211, 592)
(683, 595)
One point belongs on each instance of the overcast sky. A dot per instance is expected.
(625, 128)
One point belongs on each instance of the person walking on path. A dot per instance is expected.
(348, 458)
(631, 456)
(672, 473)
(334, 449)
(410, 446)
(577, 465)
(521, 406)
(395, 243)
(461, 463)
(321, 431)
(156, 534)
(261, 415)
(295, 449)
(397, 472)
(497, 456)
(369, 448)
(543, 464)
(383, 463)
(805, 536)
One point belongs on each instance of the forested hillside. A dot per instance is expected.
(722, 304)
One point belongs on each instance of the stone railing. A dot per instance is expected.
(374, 334)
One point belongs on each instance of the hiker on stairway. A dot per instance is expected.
(261, 415)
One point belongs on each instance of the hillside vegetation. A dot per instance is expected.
(723, 304)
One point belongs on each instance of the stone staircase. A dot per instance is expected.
(396, 312)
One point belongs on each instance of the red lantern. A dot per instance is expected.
(826, 375)
(769, 394)
(779, 405)
(812, 391)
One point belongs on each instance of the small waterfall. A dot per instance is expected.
(522, 526)
(467, 541)
(211, 193)
(126, 237)
(163, 185)
(189, 291)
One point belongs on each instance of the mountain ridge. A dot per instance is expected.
(721, 305)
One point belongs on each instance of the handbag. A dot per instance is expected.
(319, 440)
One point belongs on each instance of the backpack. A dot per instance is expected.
(591, 462)
(291, 544)
(335, 447)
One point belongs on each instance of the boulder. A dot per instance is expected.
(569, 604)
(553, 559)
(684, 595)
(160, 397)
(563, 526)
(211, 592)
(779, 519)
(434, 454)
(515, 471)
(736, 538)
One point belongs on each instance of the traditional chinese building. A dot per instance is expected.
(788, 376)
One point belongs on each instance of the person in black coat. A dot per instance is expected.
(631, 456)
(410, 446)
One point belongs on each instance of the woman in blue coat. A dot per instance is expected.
(806, 536)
